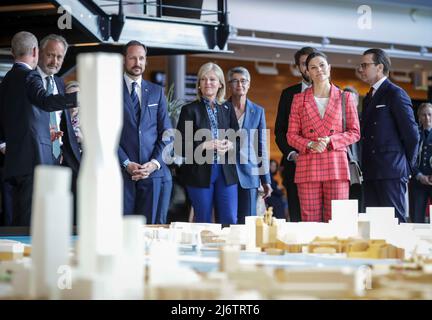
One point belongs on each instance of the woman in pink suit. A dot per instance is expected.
(316, 130)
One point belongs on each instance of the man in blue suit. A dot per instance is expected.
(25, 108)
(390, 136)
(52, 51)
(145, 119)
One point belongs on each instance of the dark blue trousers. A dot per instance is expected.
(387, 193)
(219, 195)
(247, 203)
(142, 197)
(164, 201)
(6, 210)
(419, 200)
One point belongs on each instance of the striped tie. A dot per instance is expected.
(53, 119)
(135, 101)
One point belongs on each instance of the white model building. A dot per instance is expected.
(51, 228)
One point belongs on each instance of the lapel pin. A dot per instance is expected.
(225, 106)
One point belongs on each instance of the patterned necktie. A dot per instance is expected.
(368, 98)
(370, 92)
(135, 101)
(53, 119)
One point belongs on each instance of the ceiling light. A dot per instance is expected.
(325, 41)
(266, 69)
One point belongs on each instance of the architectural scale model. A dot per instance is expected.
(355, 255)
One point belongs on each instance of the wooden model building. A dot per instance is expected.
(266, 236)
(356, 248)
(11, 250)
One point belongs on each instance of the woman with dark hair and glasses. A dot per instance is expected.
(316, 130)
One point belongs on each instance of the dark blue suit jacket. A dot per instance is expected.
(142, 141)
(424, 164)
(24, 113)
(389, 133)
(70, 148)
(253, 148)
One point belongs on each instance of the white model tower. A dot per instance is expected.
(100, 186)
(51, 228)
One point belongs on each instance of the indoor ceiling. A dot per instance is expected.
(279, 48)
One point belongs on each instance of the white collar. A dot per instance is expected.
(305, 86)
(24, 64)
(43, 74)
(379, 83)
(129, 80)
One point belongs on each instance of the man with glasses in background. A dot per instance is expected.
(389, 136)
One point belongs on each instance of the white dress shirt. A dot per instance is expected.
(322, 105)
(305, 86)
(241, 120)
(137, 87)
(378, 84)
(55, 92)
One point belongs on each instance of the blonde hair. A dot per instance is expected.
(205, 68)
(72, 84)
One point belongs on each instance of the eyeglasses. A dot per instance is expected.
(236, 81)
(365, 64)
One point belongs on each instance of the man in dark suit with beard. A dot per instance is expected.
(281, 127)
(145, 119)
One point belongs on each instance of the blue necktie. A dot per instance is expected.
(53, 119)
(135, 101)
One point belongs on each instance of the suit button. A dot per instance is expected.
(373, 151)
(140, 132)
(375, 123)
(372, 137)
(311, 130)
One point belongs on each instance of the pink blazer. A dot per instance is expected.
(305, 124)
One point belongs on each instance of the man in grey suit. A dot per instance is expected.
(66, 150)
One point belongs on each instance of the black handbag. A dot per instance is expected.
(356, 175)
